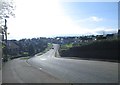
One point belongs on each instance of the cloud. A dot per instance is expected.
(105, 30)
(95, 19)
(91, 19)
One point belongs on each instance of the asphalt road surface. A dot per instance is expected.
(50, 69)
(0, 62)
(0, 77)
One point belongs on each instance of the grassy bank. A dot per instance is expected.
(49, 46)
(101, 50)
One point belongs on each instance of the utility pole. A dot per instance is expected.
(4, 39)
(5, 27)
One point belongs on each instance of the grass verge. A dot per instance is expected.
(50, 45)
(24, 58)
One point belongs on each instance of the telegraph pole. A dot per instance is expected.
(4, 39)
(5, 28)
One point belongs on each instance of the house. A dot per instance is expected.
(86, 39)
(109, 36)
(100, 37)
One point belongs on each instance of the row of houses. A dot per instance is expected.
(82, 39)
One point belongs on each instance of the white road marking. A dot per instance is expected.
(40, 68)
(43, 59)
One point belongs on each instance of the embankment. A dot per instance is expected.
(99, 50)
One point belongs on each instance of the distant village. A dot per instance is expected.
(25, 47)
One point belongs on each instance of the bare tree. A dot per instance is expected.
(7, 8)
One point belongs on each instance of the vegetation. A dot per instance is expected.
(103, 49)
(49, 46)
(66, 46)
(95, 47)
(24, 58)
(70, 45)
(24, 47)
(7, 8)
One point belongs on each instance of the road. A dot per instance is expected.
(0, 77)
(48, 68)
(0, 62)
(19, 71)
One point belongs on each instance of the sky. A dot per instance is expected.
(51, 18)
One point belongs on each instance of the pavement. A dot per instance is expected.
(50, 69)
(0, 77)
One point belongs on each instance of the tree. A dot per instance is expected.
(6, 10)
(31, 50)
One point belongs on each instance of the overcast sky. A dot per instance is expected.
(50, 18)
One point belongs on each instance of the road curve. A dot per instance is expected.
(19, 71)
(50, 69)
(76, 71)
